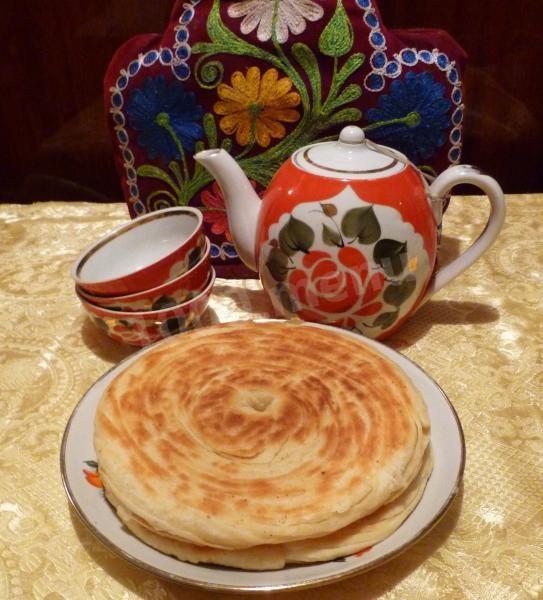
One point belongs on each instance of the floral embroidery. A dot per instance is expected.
(254, 106)
(226, 251)
(167, 118)
(214, 210)
(412, 117)
(314, 104)
(291, 16)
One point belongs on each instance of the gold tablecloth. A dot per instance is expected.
(480, 338)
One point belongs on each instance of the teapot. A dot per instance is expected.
(347, 232)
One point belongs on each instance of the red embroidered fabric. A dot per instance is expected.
(261, 84)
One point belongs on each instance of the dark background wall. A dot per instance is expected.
(54, 142)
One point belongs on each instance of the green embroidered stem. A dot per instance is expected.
(252, 140)
(150, 199)
(224, 41)
(411, 120)
(157, 173)
(308, 61)
(193, 186)
(351, 65)
(287, 65)
(174, 168)
(210, 74)
(332, 92)
(328, 138)
(163, 119)
(198, 147)
(336, 40)
(246, 150)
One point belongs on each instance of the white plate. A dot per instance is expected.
(100, 517)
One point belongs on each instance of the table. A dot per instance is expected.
(480, 338)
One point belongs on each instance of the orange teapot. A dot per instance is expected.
(346, 234)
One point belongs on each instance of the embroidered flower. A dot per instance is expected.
(412, 117)
(166, 117)
(214, 210)
(292, 15)
(254, 106)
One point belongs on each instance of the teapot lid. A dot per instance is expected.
(352, 156)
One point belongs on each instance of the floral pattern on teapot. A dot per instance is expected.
(345, 262)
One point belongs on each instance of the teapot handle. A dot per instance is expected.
(441, 185)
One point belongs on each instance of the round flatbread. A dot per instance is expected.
(251, 434)
(357, 536)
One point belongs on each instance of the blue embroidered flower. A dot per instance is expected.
(413, 117)
(167, 118)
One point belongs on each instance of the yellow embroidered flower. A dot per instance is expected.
(254, 106)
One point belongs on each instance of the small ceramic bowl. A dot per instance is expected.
(142, 254)
(169, 294)
(143, 328)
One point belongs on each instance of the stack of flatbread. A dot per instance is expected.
(253, 445)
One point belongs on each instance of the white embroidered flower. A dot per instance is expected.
(291, 17)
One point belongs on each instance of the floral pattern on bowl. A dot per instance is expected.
(142, 254)
(143, 328)
(189, 260)
(181, 289)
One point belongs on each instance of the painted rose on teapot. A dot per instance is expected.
(346, 234)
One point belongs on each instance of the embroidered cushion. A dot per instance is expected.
(260, 83)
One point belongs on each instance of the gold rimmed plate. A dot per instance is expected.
(78, 473)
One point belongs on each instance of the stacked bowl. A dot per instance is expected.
(149, 278)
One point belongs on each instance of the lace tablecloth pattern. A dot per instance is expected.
(480, 338)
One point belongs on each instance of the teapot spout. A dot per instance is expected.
(242, 202)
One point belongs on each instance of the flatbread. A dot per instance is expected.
(246, 434)
(355, 537)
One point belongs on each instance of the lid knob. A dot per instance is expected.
(352, 135)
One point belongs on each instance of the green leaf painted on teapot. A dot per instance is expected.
(331, 237)
(399, 291)
(337, 37)
(385, 320)
(361, 223)
(286, 300)
(296, 236)
(277, 264)
(391, 255)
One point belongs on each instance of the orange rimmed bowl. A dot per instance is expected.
(174, 292)
(146, 327)
(142, 254)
